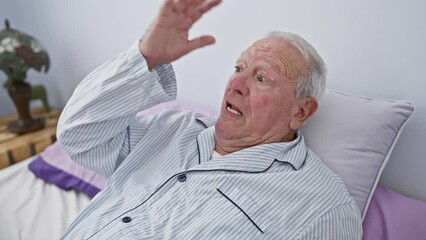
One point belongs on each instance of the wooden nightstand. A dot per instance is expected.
(15, 148)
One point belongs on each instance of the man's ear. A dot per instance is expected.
(306, 108)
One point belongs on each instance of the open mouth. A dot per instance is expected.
(233, 110)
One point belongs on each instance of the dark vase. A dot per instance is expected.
(20, 92)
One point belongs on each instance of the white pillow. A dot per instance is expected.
(355, 136)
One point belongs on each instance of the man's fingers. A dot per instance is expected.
(209, 5)
(201, 42)
(167, 4)
(167, 39)
(179, 5)
(196, 13)
(176, 6)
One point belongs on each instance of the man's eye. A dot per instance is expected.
(262, 79)
(237, 69)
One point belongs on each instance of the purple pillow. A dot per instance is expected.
(392, 216)
(54, 166)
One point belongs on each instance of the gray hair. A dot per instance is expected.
(312, 83)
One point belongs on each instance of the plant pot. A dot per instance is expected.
(20, 92)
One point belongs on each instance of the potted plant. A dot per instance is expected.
(19, 53)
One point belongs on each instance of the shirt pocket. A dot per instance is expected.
(246, 206)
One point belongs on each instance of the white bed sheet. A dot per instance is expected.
(33, 209)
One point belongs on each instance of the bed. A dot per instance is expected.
(353, 135)
(33, 208)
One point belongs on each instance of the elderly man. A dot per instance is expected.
(179, 175)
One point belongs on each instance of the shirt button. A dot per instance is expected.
(182, 178)
(126, 219)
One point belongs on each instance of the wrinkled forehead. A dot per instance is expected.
(280, 52)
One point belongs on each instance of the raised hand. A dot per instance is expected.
(167, 38)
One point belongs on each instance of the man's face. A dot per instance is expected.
(260, 104)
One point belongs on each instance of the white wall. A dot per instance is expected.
(373, 48)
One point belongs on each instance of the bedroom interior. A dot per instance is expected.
(370, 128)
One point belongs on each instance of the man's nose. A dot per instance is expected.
(239, 84)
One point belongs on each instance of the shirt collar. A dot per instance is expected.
(253, 159)
(207, 121)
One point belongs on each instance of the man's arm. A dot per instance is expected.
(94, 126)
